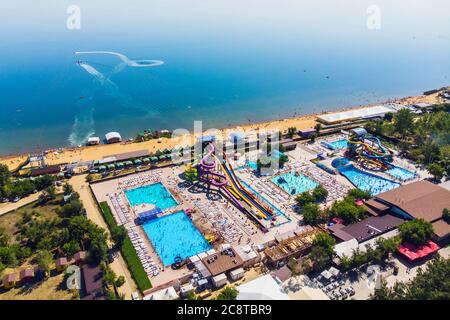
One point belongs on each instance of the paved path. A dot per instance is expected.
(119, 265)
(10, 206)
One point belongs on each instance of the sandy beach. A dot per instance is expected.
(89, 153)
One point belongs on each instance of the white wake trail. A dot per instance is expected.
(143, 63)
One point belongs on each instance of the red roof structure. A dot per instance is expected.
(416, 252)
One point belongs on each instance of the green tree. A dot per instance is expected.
(191, 296)
(446, 215)
(304, 198)
(320, 193)
(313, 137)
(191, 173)
(4, 238)
(228, 293)
(291, 131)
(120, 281)
(436, 170)
(68, 189)
(359, 194)
(389, 116)
(311, 213)
(44, 260)
(118, 235)
(403, 121)
(318, 127)
(417, 231)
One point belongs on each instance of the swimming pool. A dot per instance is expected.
(336, 145)
(276, 153)
(155, 194)
(366, 181)
(175, 236)
(294, 184)
(401, 173)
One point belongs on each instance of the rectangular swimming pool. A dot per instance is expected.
(294, 184)
(401, 173)
(335, 145)
(175, 236)
(155, 194)
(366, 181)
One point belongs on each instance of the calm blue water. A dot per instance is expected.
(367, 181)
(155, 194)
(401, 173)
(294, 184)
(175, 235)
(336, 145)
(223, 60)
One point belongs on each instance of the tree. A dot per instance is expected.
(318, 127)
(446, 215)
(325, 241)
(312, 137)
(417, 231)
(320, 193)
(311, 214)
(291, 131)
(403, 121)
(359, 194)
(320, 258)
(304, 198)
(387, 246)
(191, 173)
(44, 259)
(4, 238)
(388, 116)
(72, 208)
(68, 189)
(347, 210)
(228, 293)
(118, 235)
(120, 281)
(71, 248)
(431, 283)
(436, 170)
(191, 296)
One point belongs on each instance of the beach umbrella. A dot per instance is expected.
(137, 161)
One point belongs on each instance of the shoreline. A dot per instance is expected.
(70, 154)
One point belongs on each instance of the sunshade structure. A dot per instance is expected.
(326, 274)
(154, 159)
(128, 163)
(416, 252)
(102, 168)
(137, 161)
(111, 167)
(146, 160)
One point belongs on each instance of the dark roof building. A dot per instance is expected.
(367, 228)
(26, 275)
(419, 200)
(93, 282)
(45, 170)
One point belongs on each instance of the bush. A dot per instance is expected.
(304, 198)
(311, 214)
(228, 293)
(129, 253)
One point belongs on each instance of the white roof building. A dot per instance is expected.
(164, 294)
(93, 140)
(370, 112)
(262, 288)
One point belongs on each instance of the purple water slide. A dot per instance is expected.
(222, 182)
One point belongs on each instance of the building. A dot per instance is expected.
(366, 229)
(9, 280)
(262, 288)
(79, 257)
(92, 141)
(61, 264)
(93, 282)
(355, 114)
(26, 275)
(221, 262)
(163, 294)
(220, 280)
(237, 274)
(288, 144)
(308, 293)
(417, 200)
(113, 137)
(54, 169)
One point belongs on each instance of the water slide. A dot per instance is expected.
(214, 178)
(380, 155)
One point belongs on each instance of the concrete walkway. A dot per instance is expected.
(119, 265)
(10, 206)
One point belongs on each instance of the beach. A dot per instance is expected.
(89, 153)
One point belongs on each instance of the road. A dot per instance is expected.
(119, 265)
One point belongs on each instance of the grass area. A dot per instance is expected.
(53, 288)
(46, 211)
(128, 252)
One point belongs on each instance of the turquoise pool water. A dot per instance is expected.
(401, 173)
(366, 181)
(174, 236)
(276, 153)
(293, 184)
(336, 145)
(154, 193)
